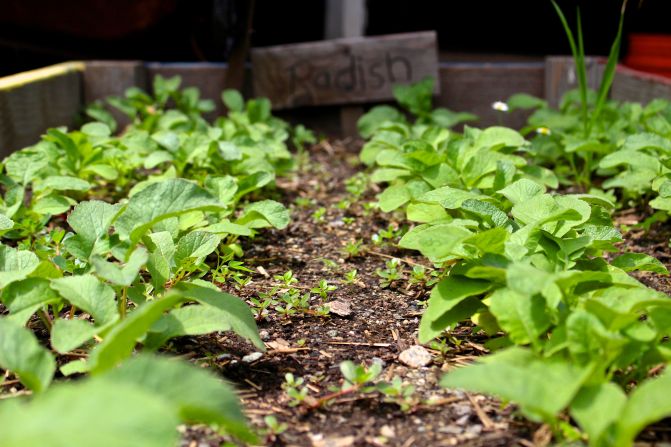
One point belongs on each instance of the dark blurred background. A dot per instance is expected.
(34, 33)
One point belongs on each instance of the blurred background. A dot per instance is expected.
(34, 33)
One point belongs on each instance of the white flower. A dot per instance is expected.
(500, 106)
(543, 131)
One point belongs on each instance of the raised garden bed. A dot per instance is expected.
(346, 278)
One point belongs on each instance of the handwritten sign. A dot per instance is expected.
(343, 71)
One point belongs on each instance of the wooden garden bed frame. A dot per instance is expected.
(33, 101)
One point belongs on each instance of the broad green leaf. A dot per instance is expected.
(161, 259)
(101, 413)
(264, 213)
(393, 197)
(28, 295)
(450, 198)
(91, 219)
(437, 242)
(86, 292)
(5, 223)
(15, 265)
(230, 307)
(445, 296)
(596, 407)
(121, 276)
(160, 201)
(648, 403)
(233, 100)
(63, 183)
(375, 117)
(122, 338)
(195, 246)
(498, 137)
(522, 190)
(542, 387)
(52, 204)
(67, 335)
(21, 353)
(630, 262)
(425, 212)
(523, 317)
(198, 396)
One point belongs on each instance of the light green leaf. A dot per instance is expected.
(445, 296)
(21, 353)
(630, 262)
(393, 197)
(89, 294)
(522, 190)
(71, 415)
(596, 407)
(52, 204)
(195, 246)
(264, 213)
(67, 335)
(63, 183)
(160, 201)
(16, 265)
(542, 387)
(232, 308)
(523, 317)
(28, 295)
(122, 338)
(233, 100)
(121, 276)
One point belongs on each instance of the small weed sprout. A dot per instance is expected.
(351, 277)
(391, 273)
(323, 288)
(353, 249)
(319, 215)
(295, 389)
(288, 278)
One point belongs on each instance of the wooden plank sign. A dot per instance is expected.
(343, 71)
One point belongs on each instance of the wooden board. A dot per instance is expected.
(560, 76)
(473, 87)
(634, 85)
(35, 100)
(343, 71)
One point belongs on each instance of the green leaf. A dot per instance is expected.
(161, 258)
(233, 100)
(525, 101)
(121, 276)
(15, 265)
(437, 242)
(89, 294)
(394, 197)
(67, 335)
(231, 308)
(198, 395)
(91, 219)
(52, 204)
(195, 246)
(5, 223)
(263, 213)
(375, 117)
(630, 262)
(63, 183)
(21, 353)
(596, 407)
(28, 295)
(647, 404)
(445, 296)
(122, 338)
(160, 201)
(522, 317)
(71, 415)
(542, 387)
(522, 190)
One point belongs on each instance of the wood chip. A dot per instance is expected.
(350, 343)
(486, 421)
(262, 271)
(340, 308)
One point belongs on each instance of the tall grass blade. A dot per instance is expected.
(609, 71)
(581, 68)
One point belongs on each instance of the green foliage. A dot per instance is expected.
(571, 331)
(107, 239)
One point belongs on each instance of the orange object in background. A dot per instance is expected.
(650, 52)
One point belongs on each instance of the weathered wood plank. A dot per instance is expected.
(561, 76)
(473, 87)
(634, 85)
(33, 101)
(343, 71)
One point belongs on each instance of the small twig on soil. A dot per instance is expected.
(407, 261)
(287, 350)
(9, 382)
(486, 421)
(253, 385)
(351, 343)
(322, 400)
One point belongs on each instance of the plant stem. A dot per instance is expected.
(46, 319)
(322, 400)
(122, 302)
